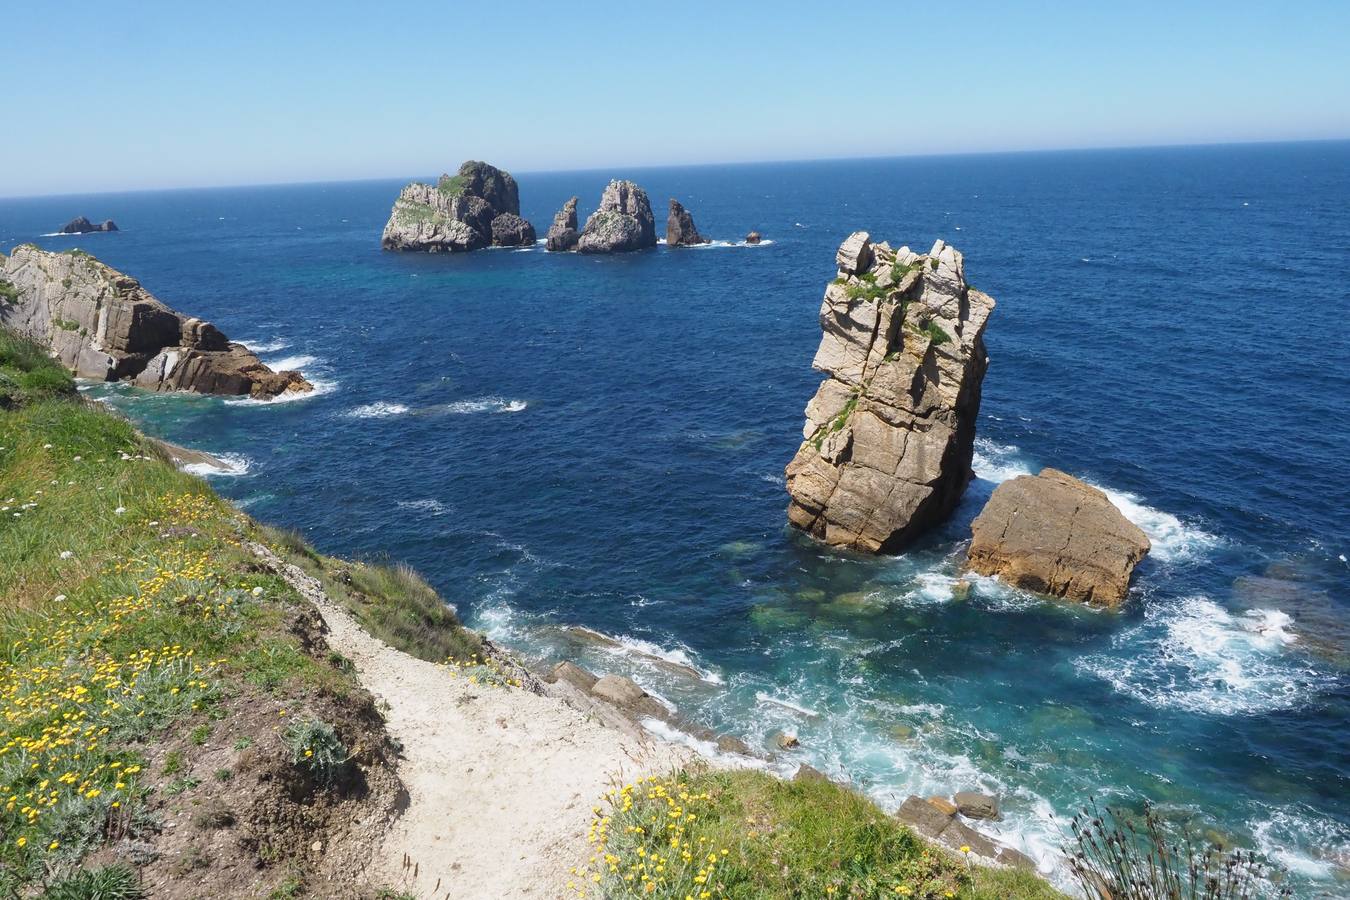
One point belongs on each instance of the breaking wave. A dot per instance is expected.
(231, 464)
(484, 404)
(377, 410)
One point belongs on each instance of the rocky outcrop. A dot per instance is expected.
(102, 324)
(81, 225)
(680, 230)
(754, 237)
(562, 234)
(478, 207)
(890, 433)
(624, 221)
(1054, 534)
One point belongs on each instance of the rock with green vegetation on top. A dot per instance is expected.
(101, 324)
(624, 221)
(890, 432)
(478, 207)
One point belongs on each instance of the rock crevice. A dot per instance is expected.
(890, 432)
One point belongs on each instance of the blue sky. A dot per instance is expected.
(118, 96)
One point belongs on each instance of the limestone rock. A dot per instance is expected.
(890, 433)
(680, 230)
(975, 805)
(102, 324)
(809, 773)
(784, 741)
(1054, 534)
(618, 690)
(923, 817)
(622, 223)
(728, 743)
(476, 208)
(573, 674)
(81, 225)
(943, 805)
(510, 230)
(562, 234)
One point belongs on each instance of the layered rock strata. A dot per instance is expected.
(680, 230)
(1054, 534)
(102, 324)
(623, 222)
(890, 432)
(478, 207)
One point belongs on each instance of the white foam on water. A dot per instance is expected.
(1196, 656)
(722, 245)
(1304, 844)
(485, 404)
(1173, 540)
(706, 749)
(321, 387)
(380, 409)
(271, 346)
(430, 506)
(793, 705)
(680, 656)
(231, 465)
(295, 363)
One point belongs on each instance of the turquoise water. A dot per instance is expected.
(559, 440)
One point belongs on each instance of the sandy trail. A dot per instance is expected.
(501, 781)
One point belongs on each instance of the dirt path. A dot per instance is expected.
(501, 780)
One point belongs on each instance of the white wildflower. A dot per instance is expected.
(66, 554)
(119, 510)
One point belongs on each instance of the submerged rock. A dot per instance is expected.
(562, 234)
(81, 225)
(1054, 534)
(753, 237)
(478, 207)
(102, 324)
(623, 222)
(890, 432)
(680, 230)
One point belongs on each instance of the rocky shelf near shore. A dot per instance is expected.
(890, 432)
(475, 208)
(101, 324)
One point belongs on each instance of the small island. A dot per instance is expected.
(476, 208)
(81, 225)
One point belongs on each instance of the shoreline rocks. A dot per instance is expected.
(680, 230)
(81, 225)
(623, 222)
(562, 234)
(890, 432)
(101, 324)
(475, 208)
(1054, 534)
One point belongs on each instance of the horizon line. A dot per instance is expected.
(723, 164)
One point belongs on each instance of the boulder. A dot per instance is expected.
(623, 222)
(562, 234)
(730, 744)
(616, 689)
(1054, 534)
(753, 237)
(101, 324)
(81, 225)
(478, 207)
(974, 805)
(510, 230)
(784, 741)
(680, 230)
(944, 805)
(958, 834)
(923, 817)
(808, 773)
(890, 432)
(573, 674)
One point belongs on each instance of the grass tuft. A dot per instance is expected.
(115, 882)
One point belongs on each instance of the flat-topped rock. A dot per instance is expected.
(974, 805)
(101, 324)
(475, 208)
(1054, 534)
(622, 223)
(890, 432)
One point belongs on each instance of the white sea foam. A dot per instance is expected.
(231, 464)
(297, 363)
(706, 749)
(1196, 656)
(1302, 842)
(793, 705)
(429, 506)
(485, 404)
(380, 409)
(722, 245)
(679, 656)
(271, 346)
(321, 387)
(1173, 540)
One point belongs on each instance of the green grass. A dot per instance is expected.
(935, 333)
(745, 834)
(408, 213)
(451, 185)
(28, 373)
(8, 292)
(115, 882)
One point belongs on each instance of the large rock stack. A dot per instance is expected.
(680, 230)
(102, 324)
(479, 207)
(890, 433)
(562, 234)
(623, 222)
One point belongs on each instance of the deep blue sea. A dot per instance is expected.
(559, 440)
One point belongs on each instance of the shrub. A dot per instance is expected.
(115, 882)
(936, 334)
(316, 747)
(8, 292)
(1113, 859)
(28, 373)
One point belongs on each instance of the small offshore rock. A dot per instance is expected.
(623, 222)
(562, 234)
(81, 225)
(753, 237)
(475, 208)
(785, 741)
(974, 805)
(680, 230)
(510, 230)
(1054, 534)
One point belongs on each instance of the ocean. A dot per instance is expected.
(557, 440)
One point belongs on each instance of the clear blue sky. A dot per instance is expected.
(107, 96)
